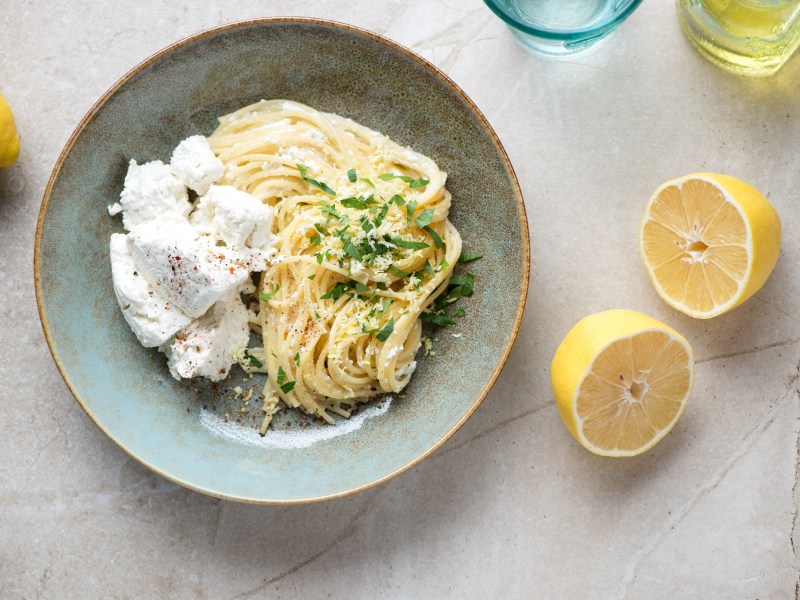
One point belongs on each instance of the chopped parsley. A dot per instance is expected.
(297, 359)
(366, 224)
(270, 295)
(329, 211)
(381, 215)
(359, 203)
(317, 184)
(424, 219)
(437, 241)
(411, 206)
(351, 175)
(311, 277)
(384, 333)
(459, 286)
(470, 256)
(254, 362)
(412, 183)
(440, 318)
(397, 272)
(286, 386)
(386, 304)
(335, 293)
(401, 243)
(351, 250)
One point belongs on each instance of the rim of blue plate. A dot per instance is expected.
(501, 11)
(98, 105)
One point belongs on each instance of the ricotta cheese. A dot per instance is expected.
(236, 219)
(206, 347)
(186, 268)
(178, 273)
(151, 317)
(194, 163)
(152, 191)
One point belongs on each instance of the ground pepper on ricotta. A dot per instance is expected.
(179, 271)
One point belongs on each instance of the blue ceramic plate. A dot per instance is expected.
(179, 429)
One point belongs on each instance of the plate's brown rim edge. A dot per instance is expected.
(239, 25)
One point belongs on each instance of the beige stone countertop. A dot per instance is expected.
(512, 506)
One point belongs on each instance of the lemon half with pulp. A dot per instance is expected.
(709, 242)
(621, 381)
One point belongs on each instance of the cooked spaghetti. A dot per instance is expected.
(364, 246)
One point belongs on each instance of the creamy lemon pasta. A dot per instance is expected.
(364, 247)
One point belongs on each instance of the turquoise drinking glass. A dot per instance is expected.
(560, 27)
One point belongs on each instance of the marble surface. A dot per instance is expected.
(511, 507)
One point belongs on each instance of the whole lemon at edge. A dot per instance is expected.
(9, 140)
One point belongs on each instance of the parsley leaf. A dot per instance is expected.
(288, 386)
(335, 293)
(352, 250)
(311, 277)
(381, 215)
(359, 203)
(281, 375)
(397, 272)
(369, 183)
(411, 206)
(441, 319)
(384, 333)
(351, 175)
(315, 240)
(317, 184)
(330, 211)
(424, 219)
(297, 359)
(401, 243)
(437, 241)
(254, 362)
(366, 224)
(459, 312)
(465, 282)
(470, 256)
(270, 295)
(412, 183)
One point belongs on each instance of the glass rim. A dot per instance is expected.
(561, 34)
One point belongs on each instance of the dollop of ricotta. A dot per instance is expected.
(194, 163)
(179, 271)
(152, 191)
(206, 347)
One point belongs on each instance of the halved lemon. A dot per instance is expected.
(709, 242)
(621, 381)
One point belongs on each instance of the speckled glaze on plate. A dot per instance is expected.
(179, 429)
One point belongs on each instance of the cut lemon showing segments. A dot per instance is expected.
(709, 242)
(621, 381)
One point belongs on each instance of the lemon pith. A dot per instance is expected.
(621, 381)
(9, 140)
(708, 242)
